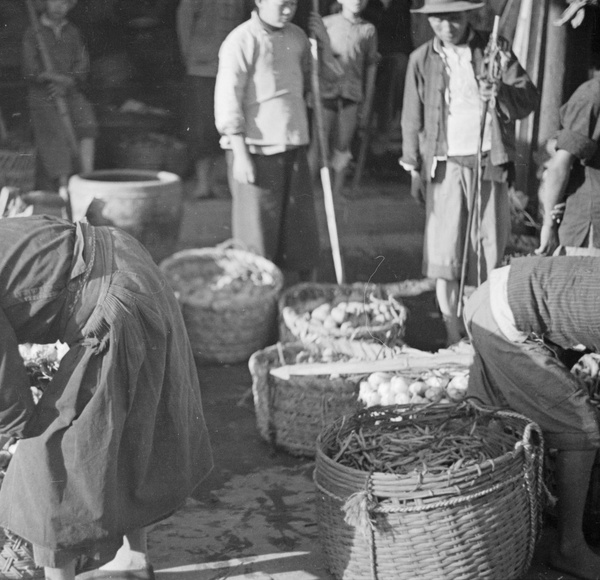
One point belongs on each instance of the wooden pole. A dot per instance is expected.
(324, 156)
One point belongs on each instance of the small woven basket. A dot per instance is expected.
(225, 327)
(363, 342)
(17, 168)
(290, 414)
(476, 522)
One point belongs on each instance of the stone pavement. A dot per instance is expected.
(254, 518)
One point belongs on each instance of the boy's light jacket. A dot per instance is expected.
(425, 109)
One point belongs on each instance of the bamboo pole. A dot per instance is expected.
(324, 156)
(418, 360)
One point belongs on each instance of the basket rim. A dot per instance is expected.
(292, 317)
(386, 479)
(269, 289)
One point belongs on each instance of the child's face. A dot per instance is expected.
(354, 7)
(450, 28)
(276, 13)
(58, 9)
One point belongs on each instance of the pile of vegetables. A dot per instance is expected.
(412, 444)
(587, 369)
(346, 316)
(431, 386)
(220, 283)
(41, 363)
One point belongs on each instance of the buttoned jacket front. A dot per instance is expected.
(425, 110)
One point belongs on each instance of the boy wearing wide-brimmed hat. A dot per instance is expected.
(441, 125)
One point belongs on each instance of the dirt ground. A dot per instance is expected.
(254, 517)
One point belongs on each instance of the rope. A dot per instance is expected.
(429, 507)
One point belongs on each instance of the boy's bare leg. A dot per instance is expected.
(446, 292)
(347, 121)
(65, 573)
(133, 554)
(87, 152)
(573, 555)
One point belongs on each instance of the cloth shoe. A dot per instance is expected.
(146, 573)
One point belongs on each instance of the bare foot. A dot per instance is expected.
(580, 561)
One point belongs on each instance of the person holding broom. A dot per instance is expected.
(118, 440)
(60, 43)
(444, 99)
(260, 111)
(347, 102)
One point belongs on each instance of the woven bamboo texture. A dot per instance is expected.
(16, 559)
(480, 522)
(225, 330)
(363, 342)
(17, 169)
(290, 414)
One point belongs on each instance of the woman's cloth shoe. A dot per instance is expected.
(98, 574)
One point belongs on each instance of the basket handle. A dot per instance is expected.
(232, 244)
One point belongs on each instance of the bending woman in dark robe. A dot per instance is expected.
(118, 440)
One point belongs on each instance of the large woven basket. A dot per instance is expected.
(228, 328)
(478, 522)
(366, 342)
(17, 168)
(290, 414)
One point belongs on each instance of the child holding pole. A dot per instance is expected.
(55, 64)
(347, 102)
(260, 111)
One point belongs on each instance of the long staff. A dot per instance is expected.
(61, 103)
(475, 197)
(324, 156)
(492, 71)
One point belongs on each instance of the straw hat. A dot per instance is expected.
(442, 6)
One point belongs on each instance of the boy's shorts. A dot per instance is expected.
(447, 209)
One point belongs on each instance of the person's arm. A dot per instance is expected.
(16, 400)
(329, 69)
(412, 125)
(81, 63)
(243, 166)
(230, 120)
(550, 194)
(516, 95)
(31, 64)
(372, 61)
